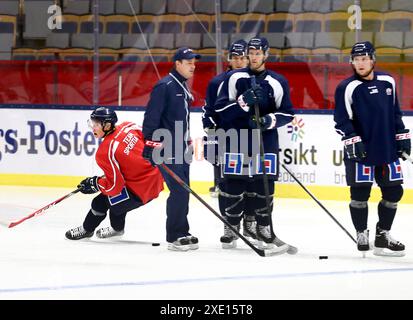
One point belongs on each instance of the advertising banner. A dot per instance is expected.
(59, 142)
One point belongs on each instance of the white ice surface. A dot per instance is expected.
(36, 262)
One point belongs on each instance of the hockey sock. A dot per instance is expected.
(117, 221)
(359, 214)
(386, 211)
(92, 220)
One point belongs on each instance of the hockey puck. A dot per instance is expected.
(155, 244)
(322, 257)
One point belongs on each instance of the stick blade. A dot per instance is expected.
(276, 250)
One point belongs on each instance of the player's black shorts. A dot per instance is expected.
(119, 204)
(387, 175)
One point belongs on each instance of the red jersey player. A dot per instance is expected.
(128, 182)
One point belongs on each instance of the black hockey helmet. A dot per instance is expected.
(259, 43)
(364, 48)
(238, 48)
(104, 115)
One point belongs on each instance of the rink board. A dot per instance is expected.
(56, 148)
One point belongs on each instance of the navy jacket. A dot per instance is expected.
(168, 108)
(370, 109)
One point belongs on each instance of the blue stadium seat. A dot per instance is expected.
(234, 6)
(143, 24)
(155, 7)
(179, 6)
(402, 5)
(9, 7)
(280, 22)
(119, 24)
(229, 23)
(292, 6)
(123, 7)
(199, 23)
(70, 24)
(205, 7)
(323, 6)
(261, 6)
(87, 24)
(252, 23)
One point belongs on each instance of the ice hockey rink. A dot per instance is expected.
(37, 262)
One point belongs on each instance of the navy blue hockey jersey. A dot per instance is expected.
(209, 116)
(231, 116)
(370, 109)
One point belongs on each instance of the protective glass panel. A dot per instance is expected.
(64, 54)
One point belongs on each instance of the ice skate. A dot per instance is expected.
(265, 236)
(229, 239)
(180, 244)
(108, 232)
(193, 242)
(385, 245)
(363, 242)
(214, 191)
(249, 227)
(78, 233)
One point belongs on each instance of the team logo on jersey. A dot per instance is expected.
(373, 90)
(389, 91)
(122, 196)
(270, 163)
(395, 171)
(364, 173)
(233, 163)
(296, 129)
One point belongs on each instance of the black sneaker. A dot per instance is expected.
(385, 245)
(363, 240)
(180, 244)
(78, 233)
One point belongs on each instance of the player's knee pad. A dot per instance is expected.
(360, 193)
(232, 205)
(358, 204)
(392, 194)
(388, 204)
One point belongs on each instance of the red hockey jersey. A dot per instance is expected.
(120, 157)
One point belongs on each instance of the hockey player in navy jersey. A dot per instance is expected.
(241, 169)
(237, 59)
(368, 116)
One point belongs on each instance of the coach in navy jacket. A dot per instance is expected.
(168, 112)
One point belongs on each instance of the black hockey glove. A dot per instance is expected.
(250, 97)
(148, 149)
(354, 147)
(210, 144)
(267, 122)
(208, 123)
(89, 185)
(403, 143)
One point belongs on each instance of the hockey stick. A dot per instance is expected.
(41, 210)
(407, 157)
(261, 252)
(318, 202)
